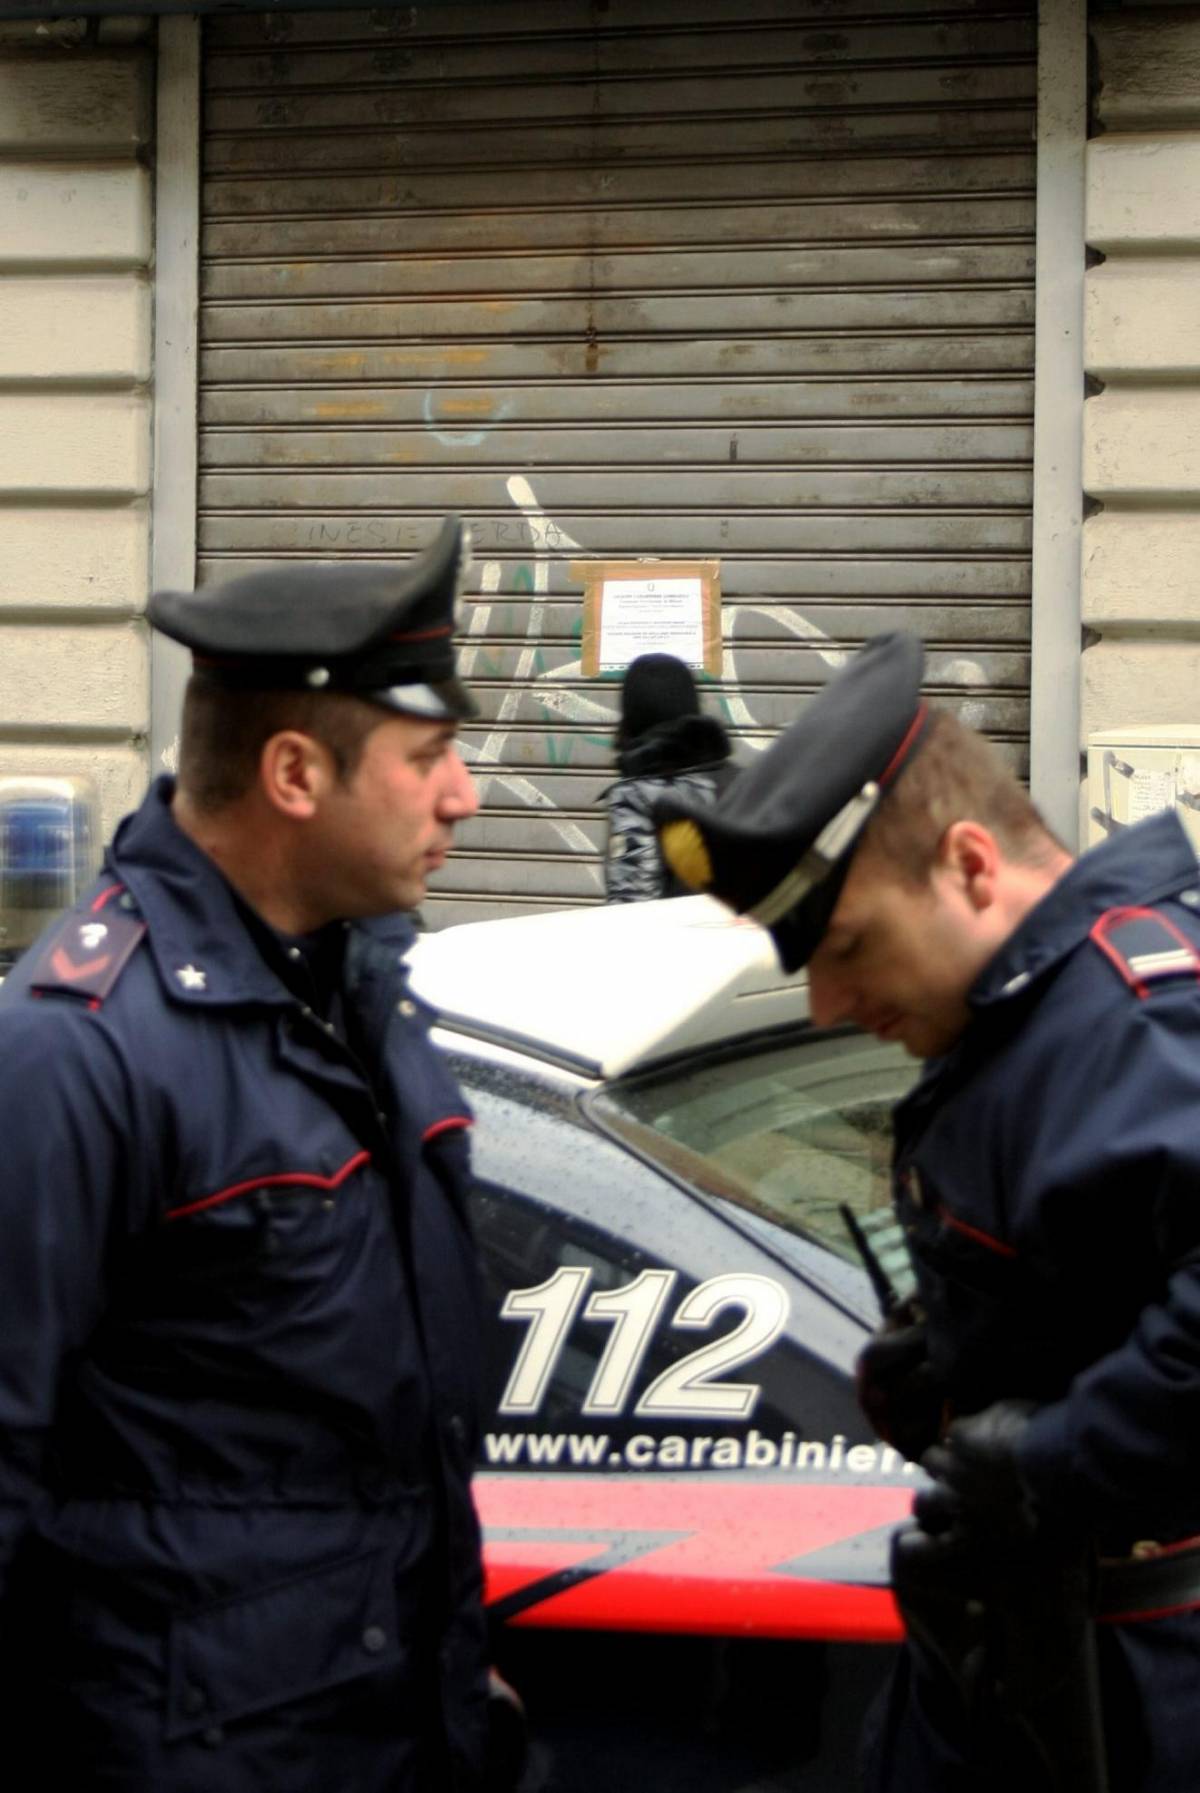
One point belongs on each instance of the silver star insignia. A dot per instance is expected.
(191, 977)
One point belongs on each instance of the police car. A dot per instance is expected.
(664, 1147)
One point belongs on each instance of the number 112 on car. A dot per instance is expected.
(692, 1388)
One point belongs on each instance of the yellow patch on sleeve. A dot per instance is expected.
(685, 852)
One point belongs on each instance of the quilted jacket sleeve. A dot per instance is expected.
(633, 870)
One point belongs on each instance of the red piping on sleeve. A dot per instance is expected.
(105, 895)
(1178, 1545)
(974, 1232)
(453, 1123)
(1154, 1612)
(284, 1179)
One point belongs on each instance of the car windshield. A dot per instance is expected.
(789, 1131)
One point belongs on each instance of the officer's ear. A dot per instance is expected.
(294, 773)
(970, 857)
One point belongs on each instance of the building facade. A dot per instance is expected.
(890, 315)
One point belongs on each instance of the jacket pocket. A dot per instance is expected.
(256, 1651)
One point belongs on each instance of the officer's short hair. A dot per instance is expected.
(957, 776)
(224, 732)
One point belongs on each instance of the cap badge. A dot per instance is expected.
(317, 676)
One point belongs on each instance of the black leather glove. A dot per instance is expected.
(978, 1485)
(896, 1386)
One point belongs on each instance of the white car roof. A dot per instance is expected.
(609, 988)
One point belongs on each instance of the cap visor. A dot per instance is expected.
(447, 700)
(798, 934)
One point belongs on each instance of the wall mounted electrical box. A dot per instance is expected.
(1134, 771)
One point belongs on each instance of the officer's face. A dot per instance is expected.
(898, 959)
(384, 830)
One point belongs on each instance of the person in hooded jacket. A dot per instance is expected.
(663, 744)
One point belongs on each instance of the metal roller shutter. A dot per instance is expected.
(718, 278)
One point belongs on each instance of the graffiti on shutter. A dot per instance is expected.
(747, 281)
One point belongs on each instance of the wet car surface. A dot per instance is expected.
(682, 1504)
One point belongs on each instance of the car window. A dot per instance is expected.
(791, 1131)
(623, 1315)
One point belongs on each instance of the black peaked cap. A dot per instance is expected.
(778, 843)
(379, 630)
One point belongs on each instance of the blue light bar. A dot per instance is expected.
(49, 853)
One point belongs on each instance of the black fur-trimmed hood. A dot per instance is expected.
(679, 745)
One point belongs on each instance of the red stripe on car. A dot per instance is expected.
(727, 1559)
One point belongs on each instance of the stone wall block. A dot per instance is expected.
(96, 444)
(1131, 682)
(98, 104)
(68, 213)
(41, 337)
(82, 558)
(103, 667)
(1143, 443)
(1138, 321)
(1143, 192)
(1141, 571)
(1149, 63)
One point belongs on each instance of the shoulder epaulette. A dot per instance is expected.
(1145, 947)
(86, 954)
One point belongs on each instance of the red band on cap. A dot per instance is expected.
(906, 746)
(422, 634)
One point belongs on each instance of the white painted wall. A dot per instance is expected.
(1141, 550)
(75, 419)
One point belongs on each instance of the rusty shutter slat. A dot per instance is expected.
(564, 401)
(447, 178)
(749, 279)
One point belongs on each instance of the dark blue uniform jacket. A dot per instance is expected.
(238, 1361)
(1048, 1174)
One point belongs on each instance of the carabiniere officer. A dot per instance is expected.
(1047, 1177)
(240, 1344)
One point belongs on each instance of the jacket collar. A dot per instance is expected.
(1141, 865)
(200, 945)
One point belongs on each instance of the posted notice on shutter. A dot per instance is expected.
(651, 616)
(633, 607)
